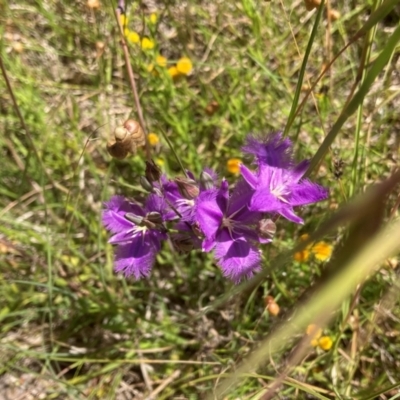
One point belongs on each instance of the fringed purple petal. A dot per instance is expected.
(208, 213)
(273, 150)
(264, 201)
(249, 176)
(299, 170)
(114, 214)
(238, 258)
(136, 258)
(289, 214)
(306, 192)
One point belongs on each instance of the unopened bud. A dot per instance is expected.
(206, 180)
(154, 217)
(136, 219)
(266, 228)
(153, 172)
(145, 184)
(188, 188)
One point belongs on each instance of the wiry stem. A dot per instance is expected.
(118, 13)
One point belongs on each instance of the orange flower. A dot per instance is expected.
(303, 255)
(184, 66)
(325, 343)
(322, 251)
(232, 165)
(315, 333)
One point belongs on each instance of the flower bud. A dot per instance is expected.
(153, 172)
(266, 228)
(154, 217)
(206, 180)
(136, 219)
(145, 184)
(188, 188)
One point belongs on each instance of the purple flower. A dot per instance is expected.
(230, 227)
(138, 232)
(273, 150)
(182, 192)
(278, 190)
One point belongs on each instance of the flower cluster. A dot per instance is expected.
(233, 222)
(183, 66)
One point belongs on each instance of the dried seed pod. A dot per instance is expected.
(311, 4)
(212, 107)
(272, 306)
(334, 15)
(127, 138)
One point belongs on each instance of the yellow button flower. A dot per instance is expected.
(153, 18)
(303, 255)
(123, 19)
(325, 343)
(232, 165)
(132, 36)
(153, 139)
(315, 333)
(161, 61)
(147, 44)
(322, 251)
(173, 72)
(184, 66)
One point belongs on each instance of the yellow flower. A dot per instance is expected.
(303, 255)
(232, 165)
(159, 162)
(147, 44)
(322, 251)
(132, 36)
(315, 333)
(153, 139)
(161, 61)
(123, 19)
(153, 18)
(184, 66)
(173, 72)
(325, 343)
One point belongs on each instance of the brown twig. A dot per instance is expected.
(132, 77)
